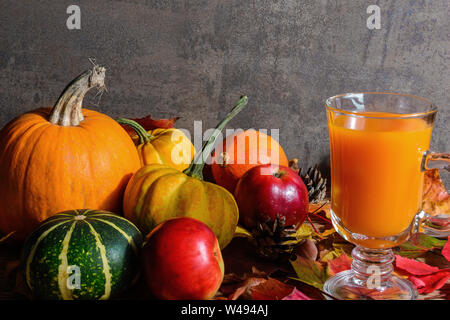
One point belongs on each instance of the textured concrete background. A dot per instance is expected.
(194, 58)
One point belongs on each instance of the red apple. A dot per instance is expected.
(269, 190)
(182, 260)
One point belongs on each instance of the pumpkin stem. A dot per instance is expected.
(67, 109)
(196, 167)
(143, 135)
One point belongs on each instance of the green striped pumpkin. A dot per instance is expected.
(81, 254)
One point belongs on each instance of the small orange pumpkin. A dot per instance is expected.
(242, 151)
(64, 158)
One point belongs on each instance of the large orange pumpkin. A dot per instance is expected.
(242, 151)
(63, 158)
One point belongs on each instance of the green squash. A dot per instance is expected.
(81, 254)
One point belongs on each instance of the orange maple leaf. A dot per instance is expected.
(436, 199)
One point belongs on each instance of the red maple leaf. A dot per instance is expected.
(446, 250)
(426, 278)
(429, 283)
(414, 267)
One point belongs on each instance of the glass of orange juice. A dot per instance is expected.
(379, 145)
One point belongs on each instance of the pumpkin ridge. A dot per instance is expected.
(86, 212)
(114, 216)
(180, 191)
(15, 143)
(160, 144)
(158, 216)
(18, 138)
(15, 137)
(106, 268)
(212, 208)
(132, 190)
(160, 155)
(67, 218)
(225, 238)
(62, 268)
(34, 248)
(24, 190)
(142, 188)
(154, 154)
(85, 135)
(123, 233)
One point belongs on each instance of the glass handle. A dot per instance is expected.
(435, 160)
(436, 224)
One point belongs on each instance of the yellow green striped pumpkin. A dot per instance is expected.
(81, 254)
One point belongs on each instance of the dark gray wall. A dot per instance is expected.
(193, 59)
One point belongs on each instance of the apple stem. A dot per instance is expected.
(196, 167)
(279, 174)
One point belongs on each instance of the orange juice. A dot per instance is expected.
(376, 171)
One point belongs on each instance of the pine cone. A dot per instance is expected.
(316, 185)
(273, 240)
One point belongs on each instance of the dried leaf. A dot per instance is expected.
(11, 267)
(327, 232)
(341, 263)
(436, 199)
(297, 295)
(418, 244)
(232, 278)
(240, 256)
(446, 250)
(272, 289)
(243, 289)
(337, 250)
(235, 286)
(328, 255)
(150, 124)
(310, 272)
(21, 289)
(304, 232)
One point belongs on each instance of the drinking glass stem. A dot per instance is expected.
(372, 267)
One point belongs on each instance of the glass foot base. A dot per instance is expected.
(346, 286)
(436, 226)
